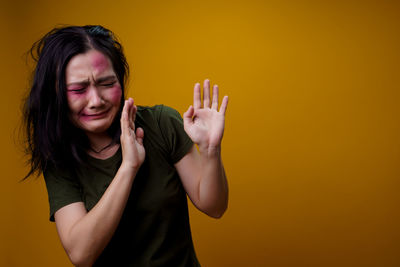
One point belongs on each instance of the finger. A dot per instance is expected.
(187, 116)
(124, 119)
(130, 106)
(139, 135)
(125, 111)
(134, 113)
(215, 97)
(206, 93)
(224, 105)
(196, 96)
(133, 116)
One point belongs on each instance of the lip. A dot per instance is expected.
(95, 116)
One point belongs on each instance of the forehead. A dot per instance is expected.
(89, 65)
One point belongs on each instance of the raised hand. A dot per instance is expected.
(133, 152)
(205, 123)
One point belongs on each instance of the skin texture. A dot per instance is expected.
(93, 92)
(205, 123)
(202, 172)
(93, 103)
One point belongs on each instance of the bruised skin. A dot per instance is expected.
(93, 92)
(99, 62)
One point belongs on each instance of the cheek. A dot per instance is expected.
(73, 97)
(74, 101)
(115, 94)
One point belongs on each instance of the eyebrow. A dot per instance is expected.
(99, 80)
(106, 78)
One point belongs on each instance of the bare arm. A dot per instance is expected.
(83, 234)
(202, 174)
(203, 177)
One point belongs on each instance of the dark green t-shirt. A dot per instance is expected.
(154, 229)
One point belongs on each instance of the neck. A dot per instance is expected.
(101, 146)
(99, 141)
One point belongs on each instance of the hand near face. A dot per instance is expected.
(133, 152)
(203, 122)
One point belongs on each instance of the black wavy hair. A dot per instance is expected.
(51, 139)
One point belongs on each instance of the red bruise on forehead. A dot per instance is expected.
(99, 61)
(89, 68)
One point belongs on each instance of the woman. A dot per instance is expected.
(117, 174)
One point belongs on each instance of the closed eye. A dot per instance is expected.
(108, 84)
(78, 90)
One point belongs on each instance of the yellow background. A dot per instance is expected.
(312, 140)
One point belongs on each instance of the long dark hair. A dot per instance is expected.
(51, 138)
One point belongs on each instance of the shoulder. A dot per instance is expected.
(164, 118)
(164, 126)
(159, 118)
(51, 172)
(157, 112)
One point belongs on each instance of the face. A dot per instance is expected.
(93, 92)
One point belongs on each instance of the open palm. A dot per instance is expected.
(205, 123)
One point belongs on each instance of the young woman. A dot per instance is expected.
(118, 174)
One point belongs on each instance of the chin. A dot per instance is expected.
(98, 130)
(96, 127)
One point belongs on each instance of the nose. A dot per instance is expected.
(95, 99)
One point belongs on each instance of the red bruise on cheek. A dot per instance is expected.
(115, 94)
(75, 94)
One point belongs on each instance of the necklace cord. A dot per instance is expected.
(101, 150)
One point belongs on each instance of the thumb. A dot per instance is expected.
(187, 116)
(139, 135)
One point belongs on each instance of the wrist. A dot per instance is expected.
(129, 169)
(210, 151)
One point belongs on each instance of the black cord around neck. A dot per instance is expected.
(101, 150)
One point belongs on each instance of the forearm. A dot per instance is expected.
(213, 187)
(88, 237)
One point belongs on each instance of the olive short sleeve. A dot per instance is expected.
(177, 141)
(62, 189)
